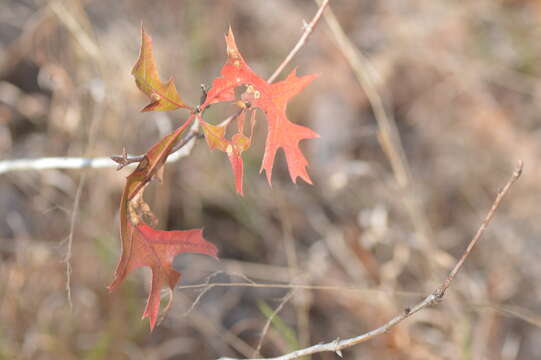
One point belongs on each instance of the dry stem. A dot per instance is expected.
(434, 298)
(49, 163)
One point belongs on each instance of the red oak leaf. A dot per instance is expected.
(215, 135)
(144, 246)
(157, 249)
(164, 96)
(272, 99)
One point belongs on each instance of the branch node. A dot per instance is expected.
(437, 295)
(336, 346)
(124, 159)
(407, 311)
(518, 169)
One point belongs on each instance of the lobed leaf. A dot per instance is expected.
(142, 245)
(156, 249)
(215, 136)
(272, 99)
(163, 96)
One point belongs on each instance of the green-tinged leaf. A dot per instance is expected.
(141, 244)
(163, 96)
(215, 136)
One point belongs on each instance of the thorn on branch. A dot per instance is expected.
(124, 159)
(336, 344)
(407, 311)
(518, 169)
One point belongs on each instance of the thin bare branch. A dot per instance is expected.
(232, 117)
(307, 31)
(55, 163)
(434, 298)
(124, 159)
(202, 293)
(484, 225)
(77, 162)
(295, 286)
(73, 220)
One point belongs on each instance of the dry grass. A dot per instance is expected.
(460, 79)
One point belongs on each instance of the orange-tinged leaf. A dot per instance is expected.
(215, 136)
(156, 249)
(235, 159)
(153, 161)
(282, 133)
(241, 141)
(163, 96)
(272, 99)
(133, 232)
(147, 168)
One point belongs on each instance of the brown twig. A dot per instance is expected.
(194, 132)
(307, 31)
(202, 293)
(482, 228)
(73, 219)
(232, 117)
(99, 109)
(512, 311)
(434, 298)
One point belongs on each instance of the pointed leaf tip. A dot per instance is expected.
(232, 49)
(215, 136)
(156, 249)
(163, 96)
(273, 99)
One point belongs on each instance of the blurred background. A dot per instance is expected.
(423, 109)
